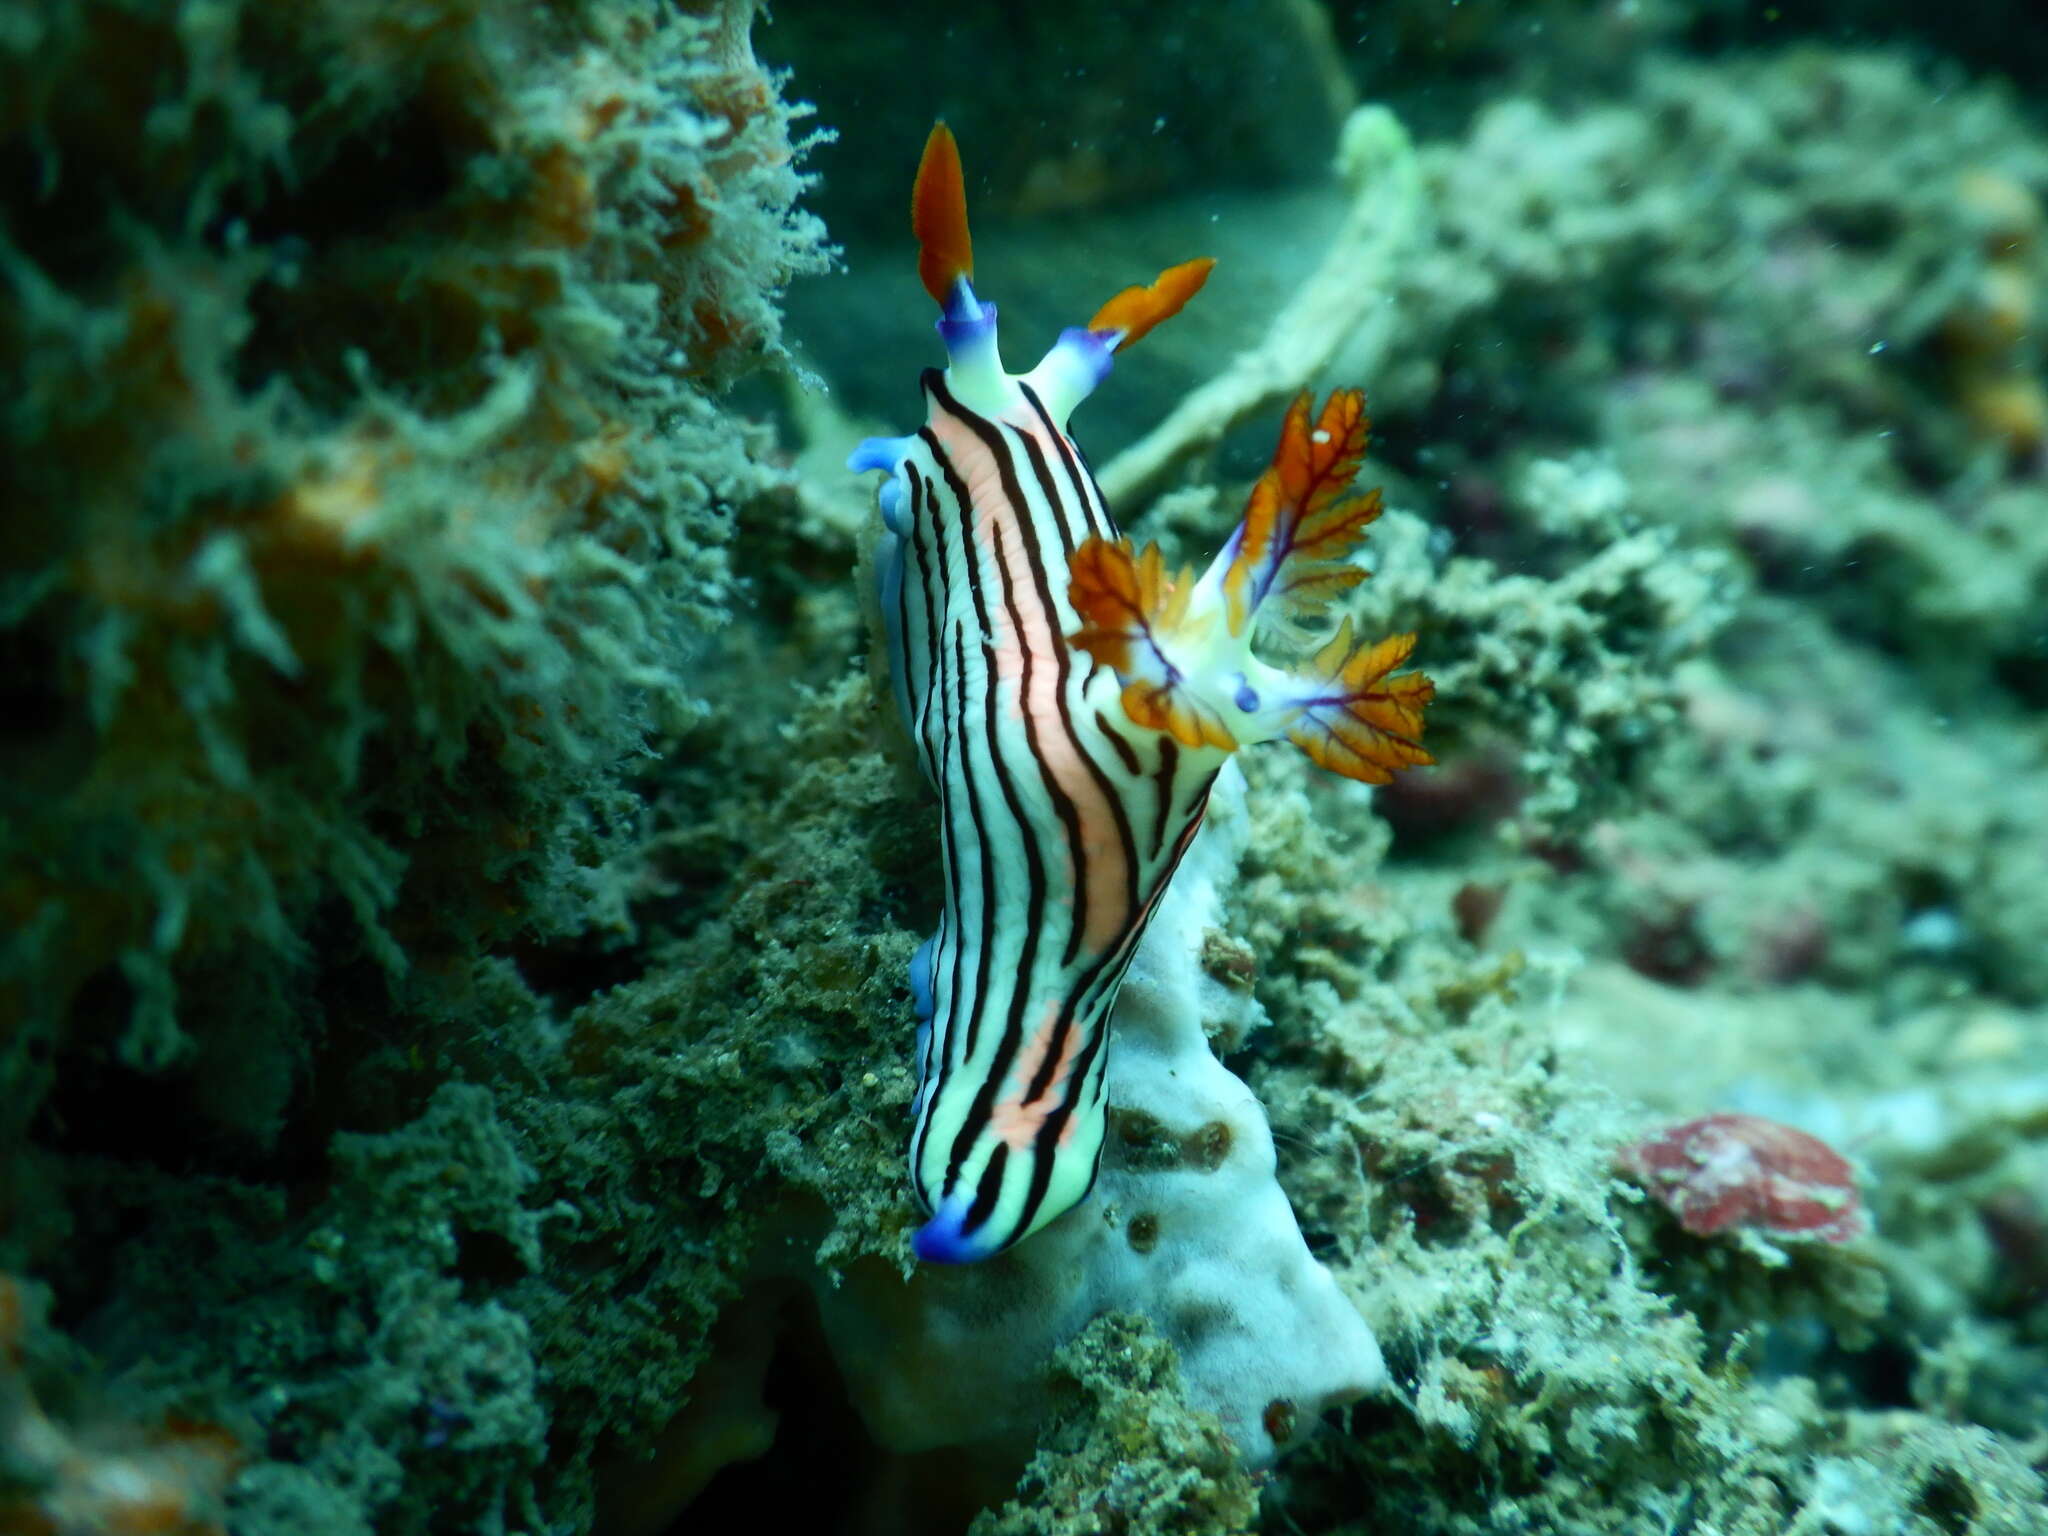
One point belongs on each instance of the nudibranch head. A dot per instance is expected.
(1078, 361)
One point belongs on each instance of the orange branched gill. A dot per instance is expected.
(1183, 647)
(1377, 724)
(1120, 598)
(1304, 510)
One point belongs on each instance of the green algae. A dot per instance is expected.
(1121, 1451)
(359, 518)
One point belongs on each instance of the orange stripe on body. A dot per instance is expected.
(1016, 1122)
(1110, 880)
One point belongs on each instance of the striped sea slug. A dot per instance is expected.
(1071, 700)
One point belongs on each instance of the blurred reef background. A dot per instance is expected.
(458, 872)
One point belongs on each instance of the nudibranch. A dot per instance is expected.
(1071, 701)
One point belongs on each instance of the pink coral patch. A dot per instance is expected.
(1724, 1172)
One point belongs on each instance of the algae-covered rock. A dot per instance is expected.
(364, 498)
(368, 497)
(1122, 1451)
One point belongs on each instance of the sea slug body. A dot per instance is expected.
(1071, 700)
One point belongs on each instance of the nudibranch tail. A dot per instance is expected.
(1183, 648)
(947, 1239)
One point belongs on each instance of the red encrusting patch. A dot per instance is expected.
(1743, 1172)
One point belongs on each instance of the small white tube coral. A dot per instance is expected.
(1346, 303)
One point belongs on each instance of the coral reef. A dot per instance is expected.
(368, 501)
(457, 884)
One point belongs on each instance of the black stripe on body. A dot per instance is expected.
(1033, 917)
(1020, 504)
(1042, 476)
(1169, 765)
(988, 1193)
(916, 671)
(1089, 494)
(923, 514)
(1125, 752)
(963, 963)
(970, 979)
(952, 925)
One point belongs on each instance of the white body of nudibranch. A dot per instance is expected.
(1072, 705)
